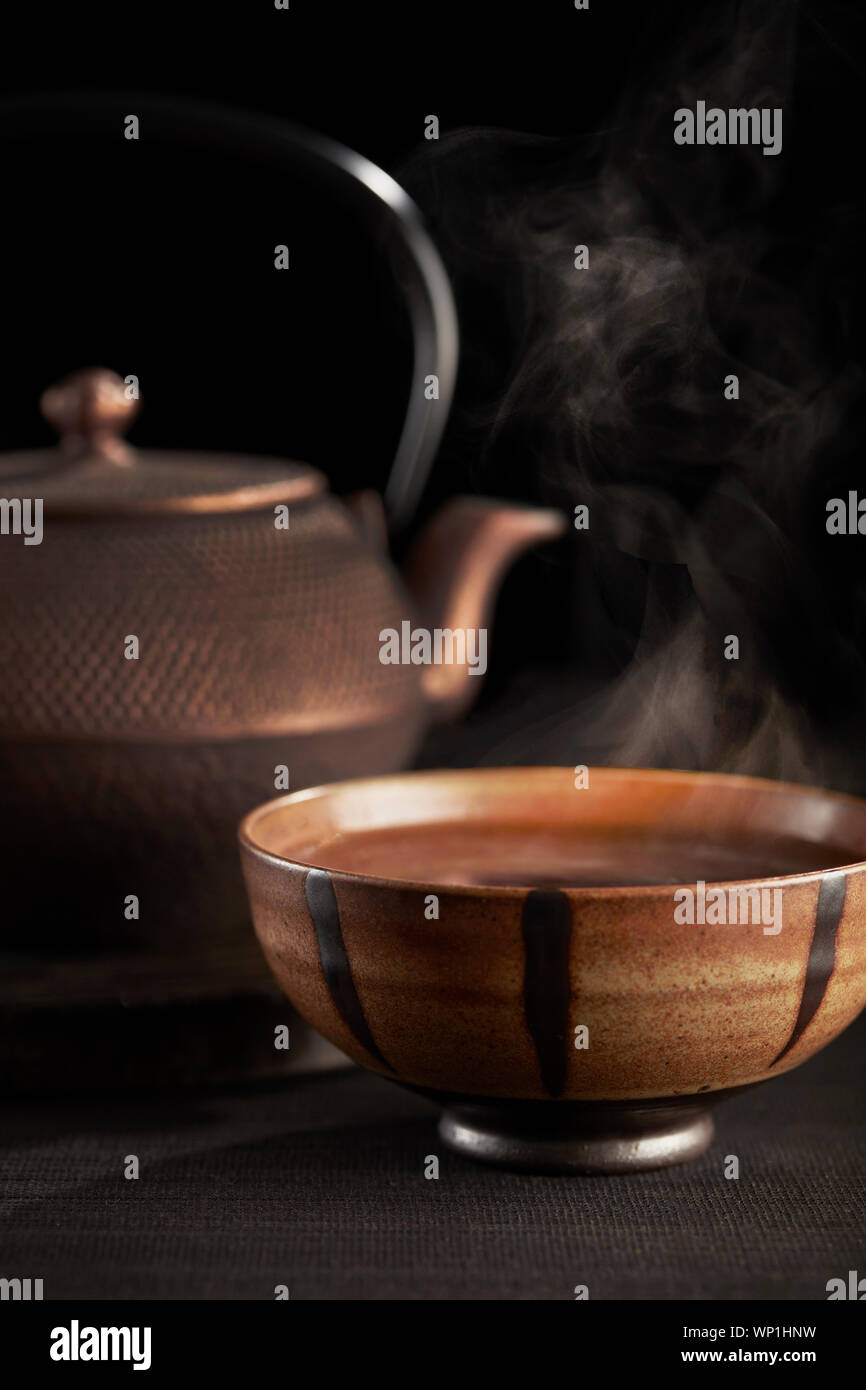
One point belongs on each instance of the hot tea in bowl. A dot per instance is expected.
(575, 965)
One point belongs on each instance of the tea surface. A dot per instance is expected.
(562, 857)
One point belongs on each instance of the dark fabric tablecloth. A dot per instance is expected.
(318, 1184)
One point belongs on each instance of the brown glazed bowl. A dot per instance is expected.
(515, 944)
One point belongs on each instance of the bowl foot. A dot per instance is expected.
(578, 1137)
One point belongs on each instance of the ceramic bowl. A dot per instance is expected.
(575, 965)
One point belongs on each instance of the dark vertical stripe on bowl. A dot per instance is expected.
(822, 955)
(546, 982)
(322, 902)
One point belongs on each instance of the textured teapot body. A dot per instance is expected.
(197, 626)
(163, 675)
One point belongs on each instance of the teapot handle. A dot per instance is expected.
(421, 275)
(428, 298)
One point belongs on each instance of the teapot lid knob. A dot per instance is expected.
(90, 410)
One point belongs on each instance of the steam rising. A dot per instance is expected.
(701, 508)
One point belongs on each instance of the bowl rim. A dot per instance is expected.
(584, 892)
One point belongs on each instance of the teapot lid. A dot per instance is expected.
(94, 472)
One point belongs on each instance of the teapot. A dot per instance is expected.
(189, 634)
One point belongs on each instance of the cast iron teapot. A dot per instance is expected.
(193, 632)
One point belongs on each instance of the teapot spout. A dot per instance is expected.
(454, 571)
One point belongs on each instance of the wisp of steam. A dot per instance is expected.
(706, 510)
